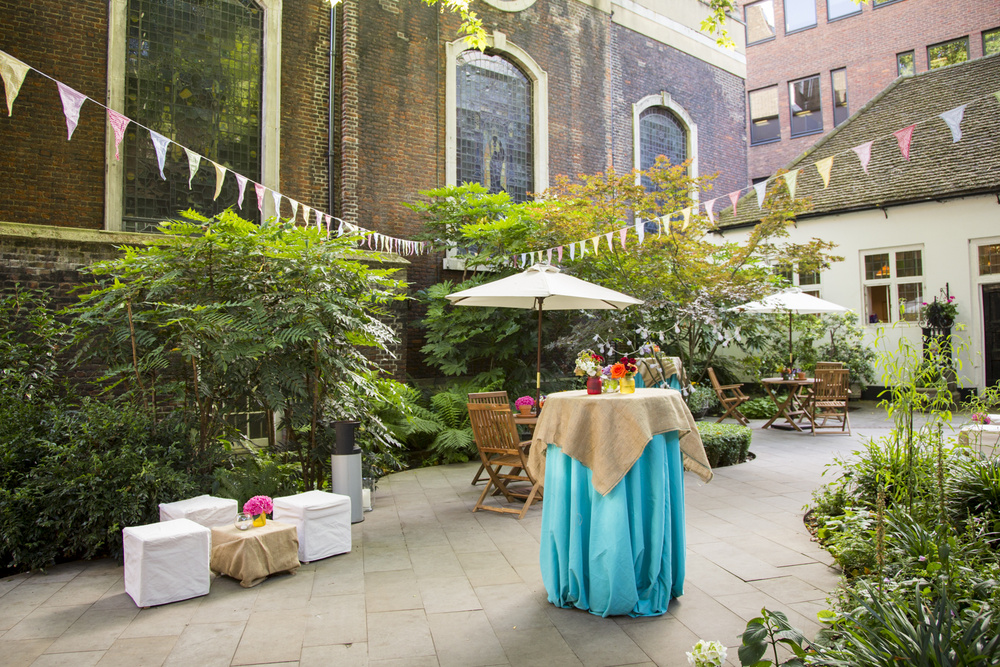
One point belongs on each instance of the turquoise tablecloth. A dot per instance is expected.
(622, 553)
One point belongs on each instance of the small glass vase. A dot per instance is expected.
(626, 385)
(244, 521)
(594, 385)
(260, 520)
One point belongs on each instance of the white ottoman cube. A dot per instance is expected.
(209, 511)
(167, 561)
(323, 521)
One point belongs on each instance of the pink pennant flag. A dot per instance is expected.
(71, 101)
(160, 144)
(12, 71)
(823, 167)
(621, 236)
(241, 181)
(118, 123)
(709, 206)
(904, 137)
(260, 196)
(220, 178)
(761, 189)
(559, 251)
(734, 197)
(953, 118)
(194, 161)
(864, 152)
(608, 237)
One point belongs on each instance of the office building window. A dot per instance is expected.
(838, 9)
(838, 79)
(760, 21)
(799, 15)
(948, 53)
(806, 109)
(991, 41)
(893, 286)
(764, 125)
(905, 64)
(660, 133)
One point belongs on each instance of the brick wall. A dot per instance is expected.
(866, 44)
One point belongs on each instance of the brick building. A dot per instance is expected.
(348, 109)
(813, 63)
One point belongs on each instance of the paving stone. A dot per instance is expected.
(396, 635)
(138, 652)
(465, 639)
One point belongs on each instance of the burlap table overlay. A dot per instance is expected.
(251, 555)
(607, 433)
(658, 370)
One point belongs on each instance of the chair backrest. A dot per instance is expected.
(493, 428)
(715, 383)
(827, 365)
(832, 384)
(493, 397)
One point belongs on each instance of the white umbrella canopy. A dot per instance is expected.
(542, 287)
(792, 301)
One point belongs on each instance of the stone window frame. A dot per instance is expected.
(664, 100)
(270, 104)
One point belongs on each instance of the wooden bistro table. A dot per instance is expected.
(794, 408)
(252, 555)
(612, 539)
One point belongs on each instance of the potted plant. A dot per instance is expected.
(941, 314)
(524, 404)
(700, 400)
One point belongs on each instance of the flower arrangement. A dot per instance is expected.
(590, 364)
(941, 313)
(258, 505)
(524, 400)
(707, 654)
(981, 418)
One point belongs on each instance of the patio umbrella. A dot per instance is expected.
(792, 301)
(542, 287)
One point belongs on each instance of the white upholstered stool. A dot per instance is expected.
(323, 521)
(167, 561)
(209, 511)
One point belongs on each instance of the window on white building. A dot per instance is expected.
(893, 285)
(808, 281)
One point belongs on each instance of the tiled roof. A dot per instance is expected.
(937, 168)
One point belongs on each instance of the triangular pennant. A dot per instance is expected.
(540, 256)
(194, 161)
(621, 236)
(260, 189)
(823, 167)
(118, 124)
(220, 178)
(572, 251)
(904, 137)
(71, 101)
(954, 120)
(761, 189)
(549, 252)
(864, 152)
(559, 251)
(241, 182)
(319, 220)
(791, 180)
(306, 214)
(160, 144)
(295, 209)
(13, 72)
(328, 219)
(597, 243)
(997, 95)
(608, 237)
(640, 230)
(687, 218)
(709, 206)
(583, 249)
(734, 197)
(524, 258)
(276, 196)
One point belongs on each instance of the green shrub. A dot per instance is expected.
(725, 444)
(256, 476)
(759, 408)
(973, 490)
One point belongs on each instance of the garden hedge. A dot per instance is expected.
(725, 444)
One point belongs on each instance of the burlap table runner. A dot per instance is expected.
(658, 370)
(608, 432)
(251, 555)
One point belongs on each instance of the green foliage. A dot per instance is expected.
(973, 491)
(30, 343)
(766, 632)
(702, 399)
(454, 442)
(759, 408)
(847, 345)
(725, 444)
(256, 475)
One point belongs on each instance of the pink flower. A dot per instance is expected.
(258, 505)
(524, 400)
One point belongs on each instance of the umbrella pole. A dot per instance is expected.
(538, 363)
(791, 357)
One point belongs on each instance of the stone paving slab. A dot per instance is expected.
(429, 583)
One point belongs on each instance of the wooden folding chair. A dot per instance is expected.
(828, 365)
(493, 398)
(496, 438)
(731, 397)
(829, 400)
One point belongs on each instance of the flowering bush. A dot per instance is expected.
(707, 654)
(981, 418)
(941, 313)
(258, 505)
(589, 363)
(524, 400)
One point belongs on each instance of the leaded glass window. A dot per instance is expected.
(494, 124)
(193, 74)
(660, 133)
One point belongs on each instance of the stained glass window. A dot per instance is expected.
(193, 74)
(660, 133)
(494, 123)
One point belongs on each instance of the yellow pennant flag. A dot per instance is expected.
(823, 167)
(790, 179)
(220, 177)
(13, 72)
(597, 242)
(687, 218)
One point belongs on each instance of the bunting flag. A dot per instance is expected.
(997, 95)
(791, 180)
(709, 205)
(306, 214)
(328, 220)
(319, 220)
(549, 251)
(559, 252)
(295, 209)
(118, 124)
(864, 152)
(597, 243)
(734, 197)
(194, 161)
(241, 182)
(608, 237)
(71, 101)
(160, 144)
(953, 119)
(687, 218)
(621, 236)
(823, 167)
(761, 189)
(340, 227)
(904, 137)
(276, 196)
(220, 178)
(583, 249)
(12, 71)
(640, 230)
(260, 196)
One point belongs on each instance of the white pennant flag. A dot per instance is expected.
(276, 196)
(761, 189)
(13, 72)
(71, 101)
(549, 251)
(608, 237)
(306, 215)
(597, 242)
(687, 218)
(160, 144)
(319, 220)
(791, 178)
(241, 181)
(340, 227)
(709, 205)
(194, 161)
(220, 177)
(640, 230)
(954, 120)
(295, 209)
(524, 259)
(572, 251)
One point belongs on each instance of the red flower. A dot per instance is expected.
(629, 363)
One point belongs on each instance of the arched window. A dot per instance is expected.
(493, 124)
(660, 133)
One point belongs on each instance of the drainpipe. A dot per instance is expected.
(331, 176)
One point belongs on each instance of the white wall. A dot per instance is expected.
(949, 234)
